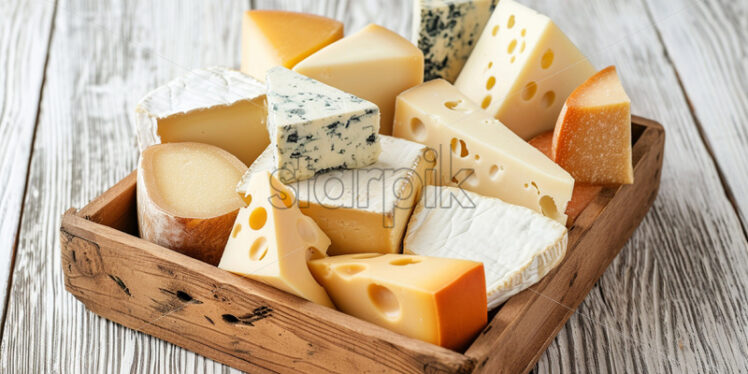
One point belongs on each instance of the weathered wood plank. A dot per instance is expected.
(104, 56)
(24, 37)
(672, 300)
(707, 43)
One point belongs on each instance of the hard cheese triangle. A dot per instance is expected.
(375, 64)
(277, 38)
(517, 246)
(314, 127)
(271, 241)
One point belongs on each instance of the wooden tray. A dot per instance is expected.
(256, 328)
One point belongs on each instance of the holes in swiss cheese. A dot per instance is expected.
(495, 171)
(459, 147)
(510, 22)
(495, 30)
(490, 82)
(405, 261)
(312, 253)
(349, 270)
(547, 60)
(486, 102)
(236, 230)
(529, 91)
(548, 207)
(512, 46)
(548, 99)
(259, 249)
(457, 105)
(306, 230)
(418, 129)
(257, 218)
(522, 47)
(247, 199)
(385, 301)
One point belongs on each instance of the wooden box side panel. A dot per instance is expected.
(239, 322)
(525, 326)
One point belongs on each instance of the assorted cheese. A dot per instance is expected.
(186, 199)
(438, 300)
(276, 38)
(592, 139)
(517, 246)
(478, 153)
(217, 106)
(271, 241)
(361, 210)
(375, 64)
(420, 233)
(315, 128)
(446, 31)
(522, 69)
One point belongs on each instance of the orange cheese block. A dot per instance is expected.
(438, 300)
(186, 199)
(272, 37)
(583, 193)
(592, 138)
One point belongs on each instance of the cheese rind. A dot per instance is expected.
(517, 246)
(272, 241)
(446, 31)
(216, 106)
(365, 209)
(478, 153)
(375, 64)
(314, 127)
(438, 300)
(522, 69)
(592, 138)
(278, 38)
(185, 198)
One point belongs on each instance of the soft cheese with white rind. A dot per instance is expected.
(365, 209)
(446, 31)
(314, 127)
(185, 198)
(523, 69)
(478, 153)
(216, 105)
(517, 246)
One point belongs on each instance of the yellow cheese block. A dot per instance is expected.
(273, 37)
(186, 198)
(271, 241)
(438, 300)
(592, 139)
(478, 153)
(375, 64)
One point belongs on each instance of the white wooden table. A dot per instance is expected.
(71, 71)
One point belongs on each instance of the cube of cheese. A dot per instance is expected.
(522, 69)
(272, 241)
(517, 246)
(277, 38)
(314, 127)
(375, 64)
(478, 153)
(366, 209)
(446, 31)
(592, 139)
(186, 199)
(441, 301)
(217, 106)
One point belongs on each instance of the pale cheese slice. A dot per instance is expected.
(517, 246)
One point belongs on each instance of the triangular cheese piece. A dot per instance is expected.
(272, 241)
(375, 64)
(273, 37)
(592, 138)
(517, 246)
(314, 127)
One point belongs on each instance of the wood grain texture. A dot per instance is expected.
(24, 35)
(707, 43)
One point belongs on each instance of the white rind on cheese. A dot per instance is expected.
(364, 209)
(517, 246)
(314, 127)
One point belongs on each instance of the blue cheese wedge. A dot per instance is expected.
(366, 209)
(516, 245)
(446, 32)
(315, 128)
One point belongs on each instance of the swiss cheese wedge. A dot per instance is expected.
(186, 198)
(592, 138)
(278, 38)
(439, 300)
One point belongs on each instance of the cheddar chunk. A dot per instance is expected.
(271, 241)
(272, 37)
(186, 200)
(592, 138)
(438, 300)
